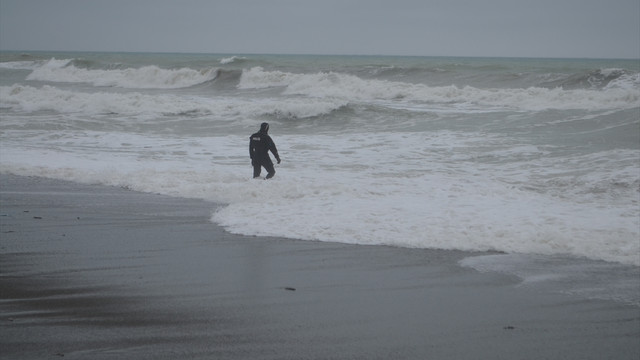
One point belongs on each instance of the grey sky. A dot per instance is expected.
(519, 28)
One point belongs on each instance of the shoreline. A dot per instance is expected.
(102, 272)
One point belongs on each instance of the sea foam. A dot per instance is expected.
(321, 194)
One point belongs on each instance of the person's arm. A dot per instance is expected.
(251, 150)
(274, 150)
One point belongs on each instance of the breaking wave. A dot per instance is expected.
(611, 78)
(146, 77)
(49, 98)
(345, 86)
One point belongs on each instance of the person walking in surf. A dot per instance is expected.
(260, 144)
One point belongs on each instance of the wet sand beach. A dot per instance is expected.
(96, 272)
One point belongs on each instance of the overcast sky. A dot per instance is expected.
(514, 28)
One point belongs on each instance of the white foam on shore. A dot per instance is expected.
(400, 200)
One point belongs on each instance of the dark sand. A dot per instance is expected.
(94, 272)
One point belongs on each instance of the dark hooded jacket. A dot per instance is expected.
(260, 144)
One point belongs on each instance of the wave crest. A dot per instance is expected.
(353, 88)
(49, 98)
(232, 59)
(610, 78)
(147, 77)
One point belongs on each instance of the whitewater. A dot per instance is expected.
(533, 158)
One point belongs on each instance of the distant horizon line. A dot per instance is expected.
(319, 54)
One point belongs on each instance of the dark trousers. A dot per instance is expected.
(267, 164)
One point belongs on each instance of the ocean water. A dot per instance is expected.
(538, 159)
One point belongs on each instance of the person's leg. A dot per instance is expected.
(268, 165)
(257, 168)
